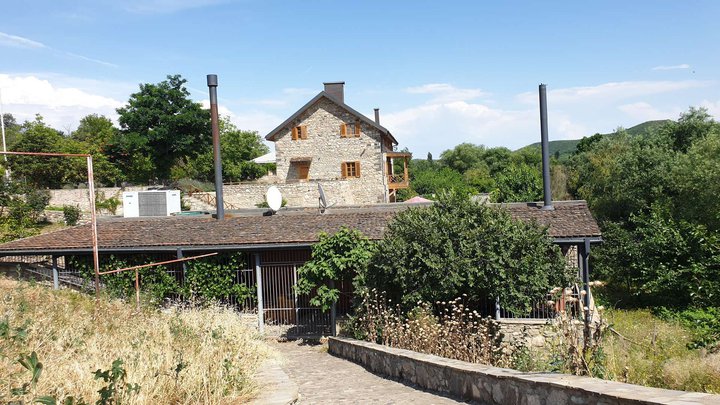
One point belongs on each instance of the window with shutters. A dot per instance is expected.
(299, 132)
(350, 130)
(350, 169)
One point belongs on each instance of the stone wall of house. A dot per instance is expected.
(328, 150)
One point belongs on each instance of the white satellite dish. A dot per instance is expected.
(322, 200)
(273, 198)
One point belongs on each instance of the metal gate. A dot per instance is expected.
(283, 309)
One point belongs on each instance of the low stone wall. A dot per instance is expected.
(493, 385)
(79, 196)
(302, 194)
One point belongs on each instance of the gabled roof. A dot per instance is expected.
(361, 117)
(570, 222)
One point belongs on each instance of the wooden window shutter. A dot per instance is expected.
(343, 130)
(343, 169)
(357, 168)
(295, 133)
(357, 129)
(303, 131)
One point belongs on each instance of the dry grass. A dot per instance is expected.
(455, 332)
(181, 356)
(649, 351)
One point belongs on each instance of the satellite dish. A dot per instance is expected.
(322, 200)
(273, 198)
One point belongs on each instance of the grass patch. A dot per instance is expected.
(174, 356)
(649, 351)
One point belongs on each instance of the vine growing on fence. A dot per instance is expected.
(208, 279)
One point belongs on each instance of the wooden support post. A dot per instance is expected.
(137, 290)
(56, 274)
(586, 288)
(333, 313)
(258, 285)
(179, 255)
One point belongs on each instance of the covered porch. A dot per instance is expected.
(396, 167)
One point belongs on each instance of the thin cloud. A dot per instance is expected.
(19, 42)
(167, 6)
(98, 61)
(22, 42)
(614, 91)
(299, 91)
(672, 67)
(445, 92)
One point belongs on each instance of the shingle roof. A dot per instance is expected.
(362, 117)
(294, 227)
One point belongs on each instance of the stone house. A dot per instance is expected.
(330, 143)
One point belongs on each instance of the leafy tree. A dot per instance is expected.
(463, 157)
(587, 143)
(654, 259)
(13, 130)
(161, 122)
(21, 209)
(479, 178)
(517, 183)
(460, 248)
(430, 183)
(41, 172)
(96, 130)
(237, 148)
(697, 175)
(341, 256)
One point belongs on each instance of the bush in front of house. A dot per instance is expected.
(458, 247)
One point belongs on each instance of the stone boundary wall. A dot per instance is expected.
(300, 194)
(79, 196)
(493, 385)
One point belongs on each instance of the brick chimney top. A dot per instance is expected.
(336, 89)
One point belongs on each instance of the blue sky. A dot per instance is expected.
(440, 72)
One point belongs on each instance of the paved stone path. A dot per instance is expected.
(324, 379)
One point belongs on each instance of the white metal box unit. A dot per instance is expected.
(156, 203)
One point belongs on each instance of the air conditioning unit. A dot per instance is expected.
(159, 203)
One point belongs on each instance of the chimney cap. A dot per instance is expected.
(212, 80)
(326, 83)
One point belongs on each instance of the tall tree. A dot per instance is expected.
(162, 123)
(41, 172)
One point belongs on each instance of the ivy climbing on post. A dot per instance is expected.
(340, 256)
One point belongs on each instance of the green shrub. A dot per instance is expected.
(457, 247)
(71, 214)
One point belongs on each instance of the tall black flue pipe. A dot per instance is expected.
(212, 82)
(547, 204)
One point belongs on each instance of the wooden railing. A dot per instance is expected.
(397, 181)
(210, 199)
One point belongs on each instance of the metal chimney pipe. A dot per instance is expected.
(547, 205)
(212, 82)
(377, 116)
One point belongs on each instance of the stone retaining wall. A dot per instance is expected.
(493, 385)
(299, 194)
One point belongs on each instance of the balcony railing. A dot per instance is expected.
(397, 181)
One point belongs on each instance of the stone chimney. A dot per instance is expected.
(336, 89)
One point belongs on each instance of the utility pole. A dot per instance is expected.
(2, 128)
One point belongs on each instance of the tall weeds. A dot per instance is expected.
(447, 329)
(176, 356)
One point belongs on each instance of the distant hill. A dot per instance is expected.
(567, 147)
